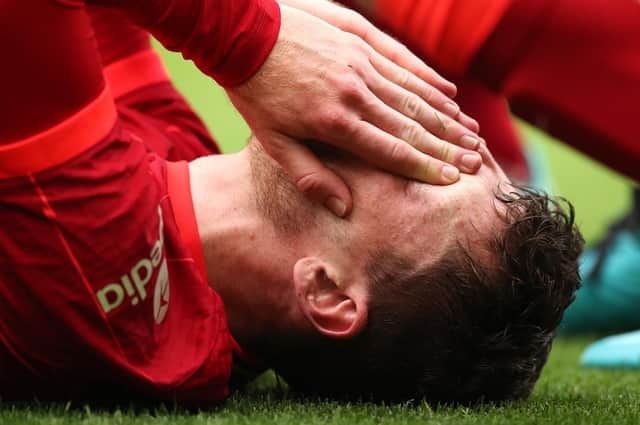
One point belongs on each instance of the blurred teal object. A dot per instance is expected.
(619, 351)
(598, 194)
(609, 300)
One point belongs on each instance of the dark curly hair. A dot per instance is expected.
(460, 331)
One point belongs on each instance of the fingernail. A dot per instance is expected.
(451, 109)
(471, 161)
(469, 142)
(450, 173)
(336, 206)
(451, 88)
(475, 124)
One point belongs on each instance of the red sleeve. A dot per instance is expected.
(447, 32)
(227, 39)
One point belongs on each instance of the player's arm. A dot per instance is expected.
(227, 39)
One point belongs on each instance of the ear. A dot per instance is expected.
(336, 308)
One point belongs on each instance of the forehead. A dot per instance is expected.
(421, 220)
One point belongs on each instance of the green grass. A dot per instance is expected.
(565, 394)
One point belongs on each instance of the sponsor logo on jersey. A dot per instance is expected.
(132, 285)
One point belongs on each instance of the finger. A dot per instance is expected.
(392, 154)
(314, 179)
(415, 108)
(453, 110)
(429, 93)
(398, 125)
(469, 122)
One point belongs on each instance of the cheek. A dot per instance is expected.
(387, 222)
(407, 230)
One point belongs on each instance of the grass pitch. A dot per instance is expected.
(566, 394)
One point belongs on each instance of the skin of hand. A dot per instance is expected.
(351, 21)
(326, 84)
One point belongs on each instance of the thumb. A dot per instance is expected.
(314, 179)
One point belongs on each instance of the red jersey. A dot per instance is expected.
(103, 291)
(102, 285)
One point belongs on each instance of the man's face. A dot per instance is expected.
(419, 221)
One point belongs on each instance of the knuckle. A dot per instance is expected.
(445, 152)
(356, 19)
(355, 43)
(411, 134)
(360, 45)
(368, 32)
(399, 153)
(404, 50)
(351, 88)
(430, 168)
(333, 120)
(398, 52)
(323, 120)
(428, 93)
(404, 77)
(412, 106)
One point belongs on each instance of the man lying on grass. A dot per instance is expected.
(125, 276)
(451, 293)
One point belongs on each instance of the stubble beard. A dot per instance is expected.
(276, 196)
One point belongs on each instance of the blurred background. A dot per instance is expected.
(598, 194)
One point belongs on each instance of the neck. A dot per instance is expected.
(248, 264)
